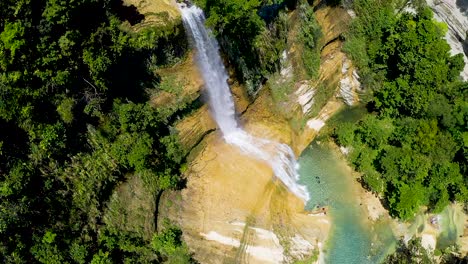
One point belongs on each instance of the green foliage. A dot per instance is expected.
(12, 38)
(78, 253)
(356, 47)
(410, 149)
(245, 16)
(345, 134)
(280, 90)
(252, 40)
(365, 36)
(410, 161)
(406, 200)
(267, 49)
(174, 150)
(46, 251)
(310, 33)
(101, 258)
(419, 73)
(412, 252)
(49, 237)
(75, 124)
(65, 110)
(170, 85)
(168, 242)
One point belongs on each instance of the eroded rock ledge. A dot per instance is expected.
(232, 208)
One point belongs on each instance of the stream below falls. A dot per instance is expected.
(352, 239)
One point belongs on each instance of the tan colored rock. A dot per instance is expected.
(240, 97)
(349, 83)
(230, 196)
(330, 76)
(155, 11)
(193, 128)
(185, 74)
(233, 209)
(334, 22)
(262, 121)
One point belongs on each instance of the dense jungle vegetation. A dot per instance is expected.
(78, 135)
(253, 34)
(412, 146)
(75, 124)
(413, 252)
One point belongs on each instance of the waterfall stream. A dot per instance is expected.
(279, 156)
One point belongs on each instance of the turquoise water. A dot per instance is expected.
(351, 239)
(452, 226)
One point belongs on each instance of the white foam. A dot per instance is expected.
(279, 156)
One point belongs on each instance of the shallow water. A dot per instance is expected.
(352, 238)
(451, 222)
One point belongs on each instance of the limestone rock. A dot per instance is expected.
(156, 11)
(349, 84)
(448, 12)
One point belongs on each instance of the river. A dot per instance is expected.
(352, 239)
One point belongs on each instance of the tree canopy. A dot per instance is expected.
(75, 125)
(411, 146)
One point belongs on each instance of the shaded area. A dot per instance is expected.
(129, 13)
(75, 124)
(463, 5)
(13, 144)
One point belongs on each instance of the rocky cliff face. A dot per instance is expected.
(337, 76)
(233, 209)
(456, 19)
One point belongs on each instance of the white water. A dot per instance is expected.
(280, 157)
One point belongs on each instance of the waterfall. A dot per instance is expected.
(280, 157)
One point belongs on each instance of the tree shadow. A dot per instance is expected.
(129, 13)
(14, 144)
(270, 12)
(324, 3)
(129, 76)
